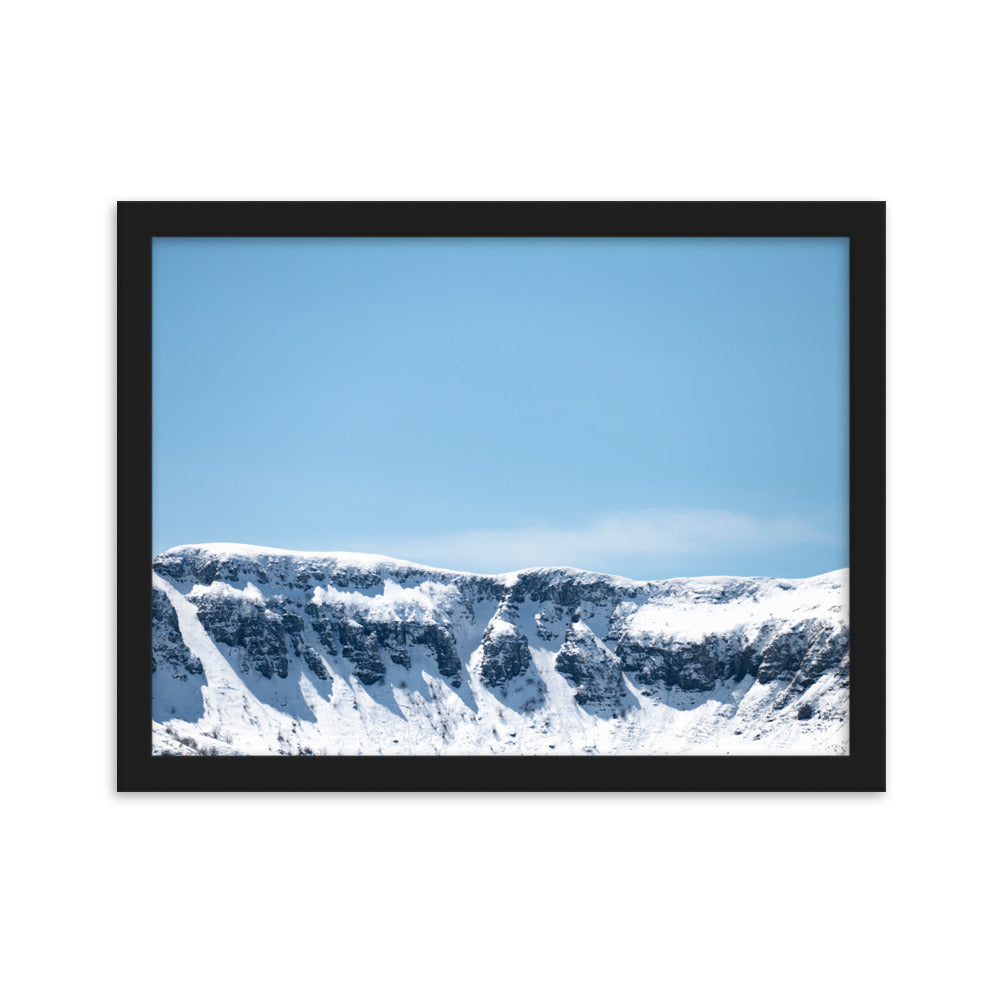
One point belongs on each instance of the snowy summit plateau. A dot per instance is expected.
(264, 651)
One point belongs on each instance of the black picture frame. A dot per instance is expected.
(863, 223)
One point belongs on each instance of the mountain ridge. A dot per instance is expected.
(240, 549)
(337, 652)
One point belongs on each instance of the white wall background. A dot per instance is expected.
(497, 896)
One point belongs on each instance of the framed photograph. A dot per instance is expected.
(501, 496)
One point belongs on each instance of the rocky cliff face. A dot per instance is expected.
(263, 651)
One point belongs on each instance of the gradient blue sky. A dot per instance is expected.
(647, 407)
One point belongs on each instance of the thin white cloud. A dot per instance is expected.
(665, 536)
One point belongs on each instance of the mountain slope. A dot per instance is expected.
(262, 651)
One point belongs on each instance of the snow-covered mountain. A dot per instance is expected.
(263, 651)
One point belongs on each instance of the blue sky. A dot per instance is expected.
(647, 407)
